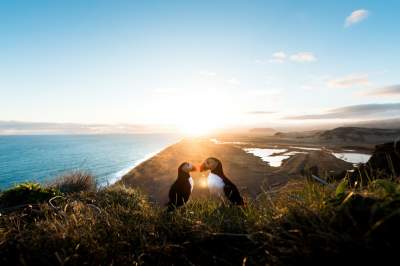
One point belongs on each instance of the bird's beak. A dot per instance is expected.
(193, 169)
(203, 167)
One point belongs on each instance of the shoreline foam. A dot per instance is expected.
(121, 173)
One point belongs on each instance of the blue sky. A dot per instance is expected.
(224, 62)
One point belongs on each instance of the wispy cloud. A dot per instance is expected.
(280, 54)
(353, 111)
(350, 81)
(22, 128)
(282, 57)
(303, 57)
(278, 57)
(356, 16)
(386, 91)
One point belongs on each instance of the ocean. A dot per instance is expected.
(43, 158)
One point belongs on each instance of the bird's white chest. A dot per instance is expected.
(215, 184)
(191, 183)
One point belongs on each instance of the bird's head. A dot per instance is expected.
(212, 164)
(186, 168)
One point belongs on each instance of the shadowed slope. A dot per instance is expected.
(325, 162)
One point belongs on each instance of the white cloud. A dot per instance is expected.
(355, 80)
(354, 111)
(356, 17)
(278, 57)
(393, 90)
(303, 57)
(276, 60)
(282, 57)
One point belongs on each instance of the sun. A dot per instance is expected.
(196, 129)
(199, 122)
(197, 119)
(195, 113)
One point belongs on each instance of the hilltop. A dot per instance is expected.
(358, 134)
(263, 130)
(343, 135)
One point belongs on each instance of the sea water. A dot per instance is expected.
(267, 155)
(352, 157)
(42, 158)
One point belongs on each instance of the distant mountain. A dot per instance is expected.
(386, 123)
(263, 130)
(360, 134)
(345, 135)
(298, 134)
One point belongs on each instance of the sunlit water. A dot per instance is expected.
(276, 160)
(41, 158)
(306, 148)
(354, 158)
(291, 153)
(267, 155)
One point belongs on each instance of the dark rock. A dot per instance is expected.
(384, 163)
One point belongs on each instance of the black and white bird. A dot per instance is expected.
(180, 191)
(218, 183)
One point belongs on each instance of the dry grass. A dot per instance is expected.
(75, 182)
(303, 223)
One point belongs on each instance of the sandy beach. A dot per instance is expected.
(155, 175)
(250, 173)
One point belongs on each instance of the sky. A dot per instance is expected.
(199, 65)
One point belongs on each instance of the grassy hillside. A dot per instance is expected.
(300, 223)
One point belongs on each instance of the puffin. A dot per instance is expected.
(181, 189)
(219, 183)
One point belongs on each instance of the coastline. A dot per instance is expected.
(120, 174)
(155, 175)
(250, 172)
(44, 158)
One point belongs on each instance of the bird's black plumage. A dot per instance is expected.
(180, 191)
(230, 189)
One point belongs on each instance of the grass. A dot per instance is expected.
(75, 182)
(26, 193)
(302, 223)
